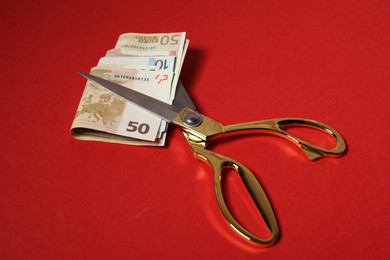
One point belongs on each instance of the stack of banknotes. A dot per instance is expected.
(147, 63)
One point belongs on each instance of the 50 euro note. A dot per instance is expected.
(154, 44)
(104, 116)
(158, 63)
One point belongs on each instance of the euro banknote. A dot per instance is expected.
(103, 111)
(157, 44)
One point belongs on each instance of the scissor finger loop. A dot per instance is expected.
(311, 150)
(276, 127)
(219, 163)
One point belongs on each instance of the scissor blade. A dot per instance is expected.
(182, 99)
(157, 107)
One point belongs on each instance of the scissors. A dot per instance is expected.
(200, 130)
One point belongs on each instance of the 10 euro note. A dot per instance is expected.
(104, 116)
(157, 63)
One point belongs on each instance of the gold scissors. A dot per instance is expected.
(199, 130)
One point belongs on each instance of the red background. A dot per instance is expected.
(248, 60)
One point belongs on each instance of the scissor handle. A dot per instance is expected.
(275, 127)
(220, 162)
(207, 130)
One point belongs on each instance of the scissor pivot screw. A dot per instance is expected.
(192, 119)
